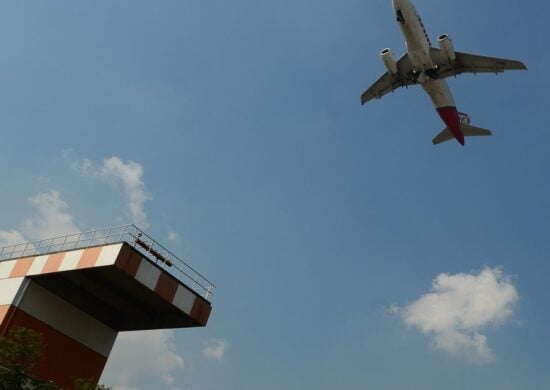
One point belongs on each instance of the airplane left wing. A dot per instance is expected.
(390, 82)
(472, 63)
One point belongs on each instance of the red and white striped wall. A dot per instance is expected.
(77, 344)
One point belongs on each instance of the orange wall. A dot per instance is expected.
(64, 358)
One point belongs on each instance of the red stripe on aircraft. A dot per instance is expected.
(450, 117)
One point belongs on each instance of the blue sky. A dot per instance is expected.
(321, 222)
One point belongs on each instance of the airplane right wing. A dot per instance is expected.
(472, 63)
(390, 82)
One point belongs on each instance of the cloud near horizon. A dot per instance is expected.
(458, 308)
(139, 355)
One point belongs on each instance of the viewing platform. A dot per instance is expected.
(80, 290)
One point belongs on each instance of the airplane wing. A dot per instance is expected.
(390, 82)
(472, 63)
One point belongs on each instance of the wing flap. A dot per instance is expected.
(390, 82)
(472, 63)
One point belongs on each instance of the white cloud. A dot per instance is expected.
(139, 356)
(174, 237)
(51, 219)
(11, 237)
(215, 349)
(84, 167)
(129, 175)
(171, 234)
(458, 307)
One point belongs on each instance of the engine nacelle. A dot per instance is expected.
(446, 46)
(389, 61)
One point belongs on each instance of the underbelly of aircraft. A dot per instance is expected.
(439, 92)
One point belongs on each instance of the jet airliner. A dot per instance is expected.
(429, 66)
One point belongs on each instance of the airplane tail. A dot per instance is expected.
(467, 129)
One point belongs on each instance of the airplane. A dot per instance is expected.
(429, 66)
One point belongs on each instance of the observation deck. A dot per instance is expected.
(80, 290)
(129, 234)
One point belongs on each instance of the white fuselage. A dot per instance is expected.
(418, 49)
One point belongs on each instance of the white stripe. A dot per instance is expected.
(148, 274)
(37, 265)
(184, 299)
(70, 260)
(108, 255)
(67, 319)
(9, 289)
(6, 267)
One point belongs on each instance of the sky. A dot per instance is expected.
(348, 251)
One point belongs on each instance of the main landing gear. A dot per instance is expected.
(421, 77)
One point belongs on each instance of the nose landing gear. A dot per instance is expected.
(399, 16)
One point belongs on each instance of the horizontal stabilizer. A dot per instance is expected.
(472, 131)
(445, 135)
(467, 130)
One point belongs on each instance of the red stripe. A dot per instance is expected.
(166, 286)
(200, 311)
(128, 260)
(3, 312)
(89, 257)
(450, 117)
(53, 262)
(21, 267)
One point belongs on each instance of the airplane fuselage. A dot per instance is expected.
(417, 41)
(424, 70)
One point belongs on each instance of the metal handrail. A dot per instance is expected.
(143, 243)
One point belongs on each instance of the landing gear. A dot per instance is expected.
(421, 77)
(399, 17)
(432, 73)
(413, 76)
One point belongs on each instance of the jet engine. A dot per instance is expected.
(446, 46)
(389, 61)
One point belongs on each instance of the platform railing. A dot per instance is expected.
(146, 245)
